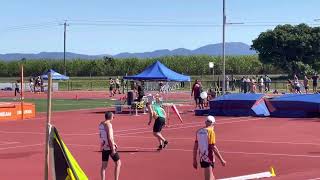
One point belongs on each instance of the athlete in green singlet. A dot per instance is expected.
(157, 112)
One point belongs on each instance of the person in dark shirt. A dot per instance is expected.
(195, 92)
(16, 89)
(140, 90)
(315, 78)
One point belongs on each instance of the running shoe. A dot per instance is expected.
(165, 143)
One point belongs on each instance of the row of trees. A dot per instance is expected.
(191, 65)
(285, 49)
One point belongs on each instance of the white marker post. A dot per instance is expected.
(266, 174)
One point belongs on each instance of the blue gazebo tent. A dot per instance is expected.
(159, 72)
(55, 75)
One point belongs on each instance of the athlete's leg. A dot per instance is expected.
(159, 136)
(208, 174)
(104, 166)
(117, 169)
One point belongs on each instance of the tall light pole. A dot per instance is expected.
(64, 46)
(223, 49)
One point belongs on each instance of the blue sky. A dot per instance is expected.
(111, 27)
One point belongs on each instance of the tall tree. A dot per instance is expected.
(290, 47)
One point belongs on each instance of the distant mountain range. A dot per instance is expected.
(232, 48)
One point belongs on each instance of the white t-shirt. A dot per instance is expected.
(206, 138)
(261, 81)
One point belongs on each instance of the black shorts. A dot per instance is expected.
(107, 153)
(158, 124)
(198, 100)
(205, 164)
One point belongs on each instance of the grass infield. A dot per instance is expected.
(65, 104)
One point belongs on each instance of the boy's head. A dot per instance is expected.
(108, 115)
(210, 121)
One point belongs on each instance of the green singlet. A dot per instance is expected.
(158, 109)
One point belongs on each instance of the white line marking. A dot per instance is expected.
(7, 143)
(272, 154)
(21, 132)
(144, 128)
(314, 179)
(240, 141)
(15, 147)
(273, 142)
(186, 150)
(184, 127)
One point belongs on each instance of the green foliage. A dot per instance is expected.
(106, 66)
(304, 69)
(290, 47)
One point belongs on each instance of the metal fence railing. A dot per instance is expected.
(231, 86)
(238, 86)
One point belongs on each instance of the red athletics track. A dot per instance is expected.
(249, 145)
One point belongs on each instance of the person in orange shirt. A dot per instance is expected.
(205, 146)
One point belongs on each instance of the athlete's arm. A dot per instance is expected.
(164, 113)
(111, 139)
(217, 153)
(195, 153)
(192, 89)
(150, 110)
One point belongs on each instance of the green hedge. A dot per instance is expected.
(194, 65)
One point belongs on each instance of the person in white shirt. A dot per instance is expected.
(205, 146)
(108, 146)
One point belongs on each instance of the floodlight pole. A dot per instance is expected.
(64, 46)
(223, 49)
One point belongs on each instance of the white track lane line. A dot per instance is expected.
(8, 143)
(228, 140)
(183, 127)
(148, 128)
(226, 152)
(24, 146)
(143, 128)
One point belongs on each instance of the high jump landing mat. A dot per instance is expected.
(13, 110)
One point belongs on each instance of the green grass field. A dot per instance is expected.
(71, 104)
(66, 104)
